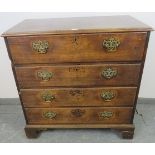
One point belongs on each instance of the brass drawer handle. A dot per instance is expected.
(107, 95)
(78, 112)
(106, 114)
(111, 44)
(40, 46)
(109, 73)
(48, 97)
(49, 115)
(45, 75)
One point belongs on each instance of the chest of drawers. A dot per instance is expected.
(78, 72)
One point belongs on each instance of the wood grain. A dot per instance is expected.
(78, 75)
(78, 48)
(77, 25)
(76, 59)
(90, 115)
(72, 126)
(65, 97)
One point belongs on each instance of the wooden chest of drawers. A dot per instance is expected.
(78, 72)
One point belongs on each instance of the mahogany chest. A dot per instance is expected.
(78, 72)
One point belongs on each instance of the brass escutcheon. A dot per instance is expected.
(107, 95)
(40, 46)
(48, 97)
(109, 73)
(49, 115)
(111, 44)
(45, 75)
(106, 114)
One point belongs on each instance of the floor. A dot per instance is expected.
(12, 124)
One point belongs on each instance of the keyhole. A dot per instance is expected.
(75, 40)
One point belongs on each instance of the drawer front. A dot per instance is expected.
(78, 48)
(106, 96)
(78, 115)
(78, 75)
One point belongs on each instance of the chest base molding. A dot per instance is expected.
(125, 130)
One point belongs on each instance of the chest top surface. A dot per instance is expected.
(77, 25)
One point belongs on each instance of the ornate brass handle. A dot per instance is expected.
(78, 112)
(48, 97)
(45, 75)
(109, 73)
(49, 115)
(106, 114)
(107, 95)
(40, 46)
(111, 44)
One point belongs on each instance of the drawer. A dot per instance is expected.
(79, 115)
(78, 75)
(61, 97)
(78, 48)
